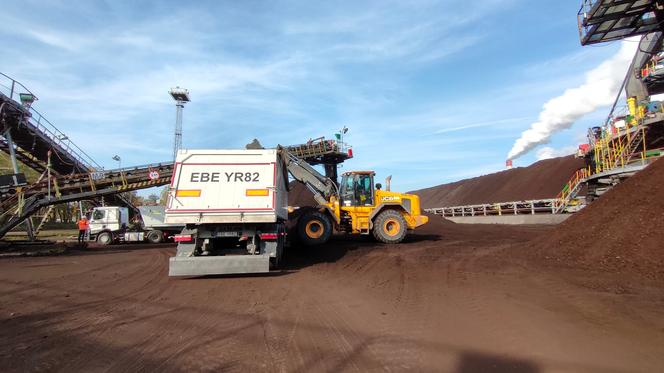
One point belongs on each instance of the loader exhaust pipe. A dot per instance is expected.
(387, 183)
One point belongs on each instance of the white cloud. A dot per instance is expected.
(54, 39)
(548, 152)
(480, 124)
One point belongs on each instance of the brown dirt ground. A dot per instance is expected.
(441, 301)
(451, 298)
(621, 233)
(543, 179)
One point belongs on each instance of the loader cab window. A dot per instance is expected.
(346, 190)
(357, 190)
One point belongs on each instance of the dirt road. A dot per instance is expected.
(436, 303)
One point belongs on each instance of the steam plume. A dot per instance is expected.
(600, 89)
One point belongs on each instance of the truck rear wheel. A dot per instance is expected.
(155, 236)
(314, 228)
(390, 227)
(104, 238)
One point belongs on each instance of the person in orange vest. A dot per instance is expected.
(83, 226)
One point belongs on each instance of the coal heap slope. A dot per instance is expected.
(623, 231)
(543, 179)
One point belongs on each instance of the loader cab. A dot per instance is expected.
(357, 188)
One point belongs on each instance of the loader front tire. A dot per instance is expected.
(390, 227)
(314, 228)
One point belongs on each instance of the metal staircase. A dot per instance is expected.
(570, 190)
(637, 140)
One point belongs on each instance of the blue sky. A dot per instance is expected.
(432, 91)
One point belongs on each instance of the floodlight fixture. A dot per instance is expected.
(180, 95)
(27, 99)
(118, 159)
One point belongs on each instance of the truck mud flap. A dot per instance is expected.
(218, 265)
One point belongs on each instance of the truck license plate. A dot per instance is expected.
(228, 234)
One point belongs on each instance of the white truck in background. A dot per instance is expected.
(111, 224)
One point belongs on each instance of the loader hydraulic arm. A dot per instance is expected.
(321, 186)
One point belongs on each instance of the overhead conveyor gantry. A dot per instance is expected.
(34, 136)
(95, 184)
(77, 187)
(606, 20)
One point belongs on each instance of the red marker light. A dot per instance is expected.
(183, 238)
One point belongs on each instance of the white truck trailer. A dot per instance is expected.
(111, 224)
(230, 202)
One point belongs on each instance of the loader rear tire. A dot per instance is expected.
(155, 236)
(390, 227)
(314, 228)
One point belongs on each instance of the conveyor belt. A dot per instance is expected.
(530, 207)
(76, 187)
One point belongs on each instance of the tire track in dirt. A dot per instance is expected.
(91, 319)
(425, 305)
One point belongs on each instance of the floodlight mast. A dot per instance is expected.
(181, 97)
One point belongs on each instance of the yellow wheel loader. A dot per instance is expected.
(356, 205)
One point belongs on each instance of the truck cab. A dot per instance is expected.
(105, 222)
(108, 218)
(111, 224)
